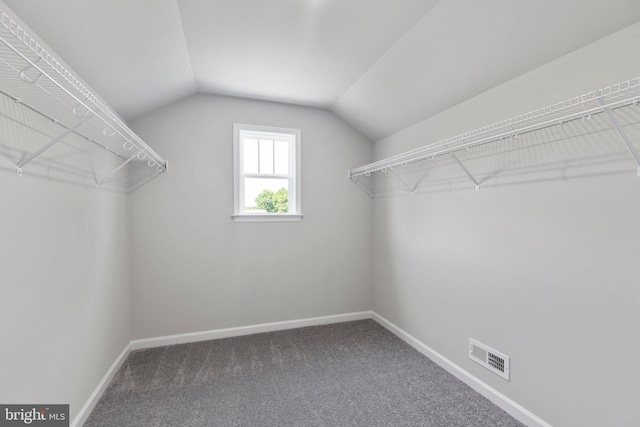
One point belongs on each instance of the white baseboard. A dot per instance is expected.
(246, 330)
(500, 400)
(82, 416)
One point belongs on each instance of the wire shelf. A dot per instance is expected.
(610, 109)
(50, 117)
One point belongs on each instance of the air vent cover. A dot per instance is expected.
(494, 361)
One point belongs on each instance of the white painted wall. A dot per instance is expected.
(64, 276)
(64, 270)
(544, 271)
(194, 269)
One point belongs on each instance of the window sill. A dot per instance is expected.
(266, 217)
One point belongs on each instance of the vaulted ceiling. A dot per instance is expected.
(381, 65)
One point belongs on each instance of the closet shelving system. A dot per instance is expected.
(54, 124)
(613, 108)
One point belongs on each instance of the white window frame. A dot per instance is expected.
(295, 207)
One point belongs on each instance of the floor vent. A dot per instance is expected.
(493, 360)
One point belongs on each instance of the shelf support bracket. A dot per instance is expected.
(365, 189)
(51, 143)
(621, 133)
(125, 163)
(465, 170)
(402, 181)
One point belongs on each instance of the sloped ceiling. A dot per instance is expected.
(381, 65)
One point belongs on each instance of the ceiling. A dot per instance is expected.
(380, 65)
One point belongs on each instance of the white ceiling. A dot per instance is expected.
(298, 51)
(381, 65)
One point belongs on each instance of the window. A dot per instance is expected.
(266, 173)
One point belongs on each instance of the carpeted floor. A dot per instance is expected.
(346, 374)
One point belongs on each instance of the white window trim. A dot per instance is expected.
(294, 183)
(273, 217)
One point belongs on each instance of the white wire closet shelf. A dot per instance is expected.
(52, 124)
(613, 109)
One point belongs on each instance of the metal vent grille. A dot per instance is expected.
(496, 361)
(493, 360)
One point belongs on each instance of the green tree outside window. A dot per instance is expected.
(271, 202)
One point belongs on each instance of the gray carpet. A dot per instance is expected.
(346, 374)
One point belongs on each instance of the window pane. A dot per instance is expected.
(250, 153)
(281, 149)
(266, 195)
(266, 156)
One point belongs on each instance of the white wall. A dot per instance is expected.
(194, 269)
(544, 270)
(65, 311)
(64, 276)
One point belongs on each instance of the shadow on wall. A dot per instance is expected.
(74, 159)
(572, 150)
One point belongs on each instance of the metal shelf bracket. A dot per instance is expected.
(51, 143)
(466, 170)
(139, 155)
(362, 186)
(403, 181)
(620, 131)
